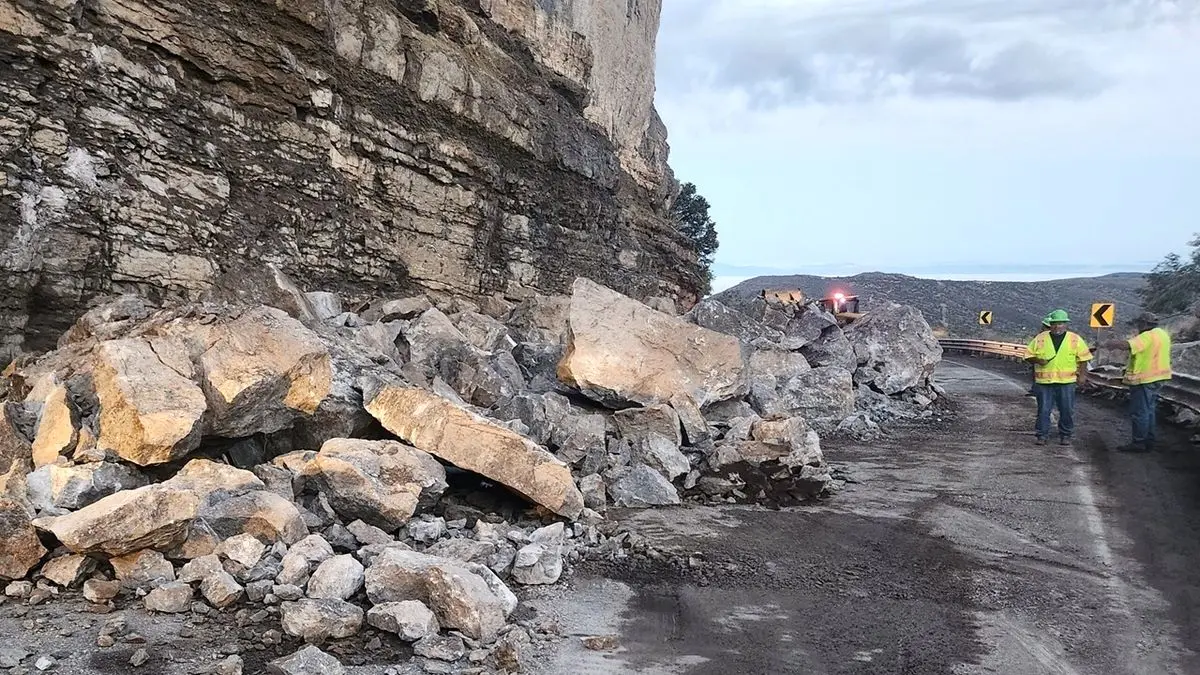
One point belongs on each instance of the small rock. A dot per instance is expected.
(231, 665)
(44, 663)
(139, 658)
(105, 641)
(170, 598)
(244, 549)
(441, 647)
(409, 619)
(19, 589)
(144, 569)
(256, 591)
(426, 531)
(368, 534)
(318, 620)
(307, 661)
(601, 643)
(198, 569)
(287, 592)
(340, 538)
(221, 589)
(336, 578)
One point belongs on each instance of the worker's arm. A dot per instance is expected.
(1082, 358)
(1033, 355)
(1117, 345)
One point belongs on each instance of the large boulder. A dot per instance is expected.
(768, 372)
(74, 486)
(469, 441)
(232, 502)
(822, 393)
(149, 412)
(378, 482)
(262, 371)
(251, 284)
(20, 549)
(154, 516)
(831, 348)
(16, 428)
(788, 440)
(621, 351)
(458, 597)
(552, 421)
(896, 348)
(541, 319)
(57, 428)
(714, 315)
(640, 486)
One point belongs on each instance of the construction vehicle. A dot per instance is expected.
(783, 296)
(842, 306)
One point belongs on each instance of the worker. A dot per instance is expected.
(1032, 368)
(1149, 367)
(1060, 365)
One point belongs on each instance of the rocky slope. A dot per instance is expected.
(1017, 307)
(332, 475)
(365, 146)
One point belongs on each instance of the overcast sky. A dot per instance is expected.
(906, 135)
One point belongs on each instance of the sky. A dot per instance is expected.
(951, 138)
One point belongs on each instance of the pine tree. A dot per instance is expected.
(1174, 284)
(690, 212)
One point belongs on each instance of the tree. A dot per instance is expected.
(690, 213)
(1174, 284)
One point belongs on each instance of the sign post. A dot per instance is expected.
(1103, 316)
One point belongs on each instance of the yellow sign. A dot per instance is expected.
(1103, 314)
(985, 318)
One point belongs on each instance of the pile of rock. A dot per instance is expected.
(295, 455)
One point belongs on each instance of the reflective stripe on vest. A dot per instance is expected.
(1063, 367)
(1149, 357)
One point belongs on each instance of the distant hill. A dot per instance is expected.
(1017, 306)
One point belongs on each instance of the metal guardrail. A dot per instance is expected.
(1182, 389)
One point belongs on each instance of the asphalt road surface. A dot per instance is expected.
(962, 548)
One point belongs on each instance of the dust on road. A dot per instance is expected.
(962, 548)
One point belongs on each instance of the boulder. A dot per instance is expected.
(410, 620)
(484, 332)
(427, 530)
(640, 486)
(144, 569)
(471, 442)
(262, 371)
(594, 491)
(316, 621)
(16, 429)
(639, 424)
(508, 599)
(458, 597)
(234, 501)
(715, 316)
(441, 647)
(552, 421)
(831, 348)
(149, 412)
(325, 305)
(74, 486)
(337, 578)
(896, 348)
(790, 441)
(251, 284)
(622, 352)
(221, 590)
(378, 482)
(170, 598)
(307, 661)
(20, 549)
(100, 591)
(661, 455)
(154, 516)
(199, 569)
(540, 561)
(368, 534)
(242, 552)
(806, 324)
(57, 428)
(768, 371)
(392, 310)
(822, 393)
(68, 571)
(106, 321)
(541, 319)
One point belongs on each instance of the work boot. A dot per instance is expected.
(1065, 440)
(1040, 441)
(1132, 447)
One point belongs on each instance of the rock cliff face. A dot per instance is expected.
(362, 145)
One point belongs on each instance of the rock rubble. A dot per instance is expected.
(197, 460)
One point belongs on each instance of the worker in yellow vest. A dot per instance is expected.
(1059, 360)
(1149, 367)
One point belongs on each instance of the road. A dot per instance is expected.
(961, 548)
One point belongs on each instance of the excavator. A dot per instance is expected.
(839, 304)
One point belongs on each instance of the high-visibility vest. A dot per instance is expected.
(1149, 357)
(1063, 365)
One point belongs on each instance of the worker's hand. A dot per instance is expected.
(1041, 362)
(1083, 383)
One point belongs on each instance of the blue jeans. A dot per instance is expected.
(1143, 403)
(1050, 396)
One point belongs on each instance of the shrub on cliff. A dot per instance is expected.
(1175, 282)
(690, 212)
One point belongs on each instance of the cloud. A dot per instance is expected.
(852, 51)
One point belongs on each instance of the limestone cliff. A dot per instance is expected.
(365, 146)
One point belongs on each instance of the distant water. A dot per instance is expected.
(721, 283)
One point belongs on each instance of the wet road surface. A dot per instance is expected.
(961, 548)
